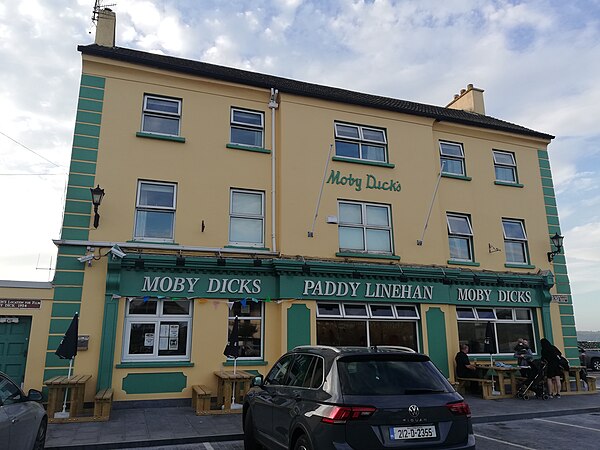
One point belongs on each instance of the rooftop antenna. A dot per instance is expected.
(98, 6)
(49, 268)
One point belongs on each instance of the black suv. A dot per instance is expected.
(318, 397)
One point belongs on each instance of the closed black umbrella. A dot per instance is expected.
(67, 349)
(489, 344)
(232, 349)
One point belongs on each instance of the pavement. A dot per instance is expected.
(164, 426)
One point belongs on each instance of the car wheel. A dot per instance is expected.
(40, 438)
(302, 443)
(250, 442)
(596, 364)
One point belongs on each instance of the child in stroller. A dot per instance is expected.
(534, 382)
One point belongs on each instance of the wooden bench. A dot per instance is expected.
(103, 404)
(486, 386)
(201, 399)
(591, 383)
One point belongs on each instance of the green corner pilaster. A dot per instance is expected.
(298, 326)
(109, 326)
(436, 338)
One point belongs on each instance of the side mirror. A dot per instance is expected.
(257, 380)
(35, 395)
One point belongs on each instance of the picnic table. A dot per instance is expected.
(502, 377)
(227, 381)
(575, 372)
(56, 395)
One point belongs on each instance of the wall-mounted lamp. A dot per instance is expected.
(180, 261)
(557, 241)
(97, 195)
(139, 263)
(221, 261)
(257, 262)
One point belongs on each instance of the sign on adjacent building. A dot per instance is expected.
(20, 303)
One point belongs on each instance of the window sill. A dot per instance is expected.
(163, 137)
(366, 255)
(456, 177)
(362, 161)
(247, 362)
(463, 263)
(506, 183)
(248, 247)
(519, 266)
(248, 148)
(150, 241)
(141, 364)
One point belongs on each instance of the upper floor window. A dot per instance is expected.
(365, 227)
(155, 211)
(515, 241)
(247, 127)
(505, 167)
(452, 158)
(161, 115)
(359, 142)
(247, 217)
(460, 237)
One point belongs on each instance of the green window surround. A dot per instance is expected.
(248, 149)
(366, 255)
(247, 248)
(364, 162)
(456, 177)
(160, 137)
(131, 365)
(519, 266)
(504, 183)
(259, 362)
(463, 263)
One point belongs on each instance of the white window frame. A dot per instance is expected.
(453, 234)
(362, 140)
(155, 319)
(503, 165)
(452, 157)
(260, 217)
(261, 318)
(366, 227)
(247, 126)
(139, 207)
(161, 114)
(522, 241)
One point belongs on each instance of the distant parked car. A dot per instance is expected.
(375, 398)
(590, 358)
(23, 421)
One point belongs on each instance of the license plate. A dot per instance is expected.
(416, 432)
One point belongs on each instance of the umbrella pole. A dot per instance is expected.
(67, 389)
(233, 390)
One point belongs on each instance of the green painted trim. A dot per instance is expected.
(567, 320)
(566, 309)
(254, 362)
(75, 234)
(519, 266)
(547, 321)
(54, 361)
(542, 154)
(463, 263)
(247, 248)
(85, 129)
(82, 168)
(91, 80)
(65, 309)
(548, 191)
(551, 210)
(561, 279)
(456, 177)
(546, 173)
(544, 163)
(572, 354)
(54, 342)
(248, 149)
(570, 341)
(552, 220)
(59, 326)
(68, 278)
(436, 337)
(108, 338)
(366, 255)
(298, 326)
(160, 136)
(547, 183)
(51, 373)
(76, 220)
(72, 250)
(78, 193)
(563, 288)
(83, 154)
(363, 162)
(68, 294)
(68, 263)
(504, 183)
(154, 383)
(89, 105)
(127, 365)
(85, 142)
(88, 117)
(559, 262)
(549, 201)
(569, 331)
(91, 93)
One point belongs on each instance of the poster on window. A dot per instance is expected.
(173, 331)
(148, 339)
(164, 330)
(163, 343)
(173, 343)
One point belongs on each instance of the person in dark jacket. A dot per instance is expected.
(464, 368)
(553, 370)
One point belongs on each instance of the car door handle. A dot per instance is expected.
(14, 420)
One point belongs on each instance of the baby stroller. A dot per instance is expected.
(535, 382)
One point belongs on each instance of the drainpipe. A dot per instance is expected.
(273, 105)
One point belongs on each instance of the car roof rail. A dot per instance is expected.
(393, 347)
(310, 347)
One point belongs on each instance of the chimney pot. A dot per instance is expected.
(462, 91)
(456, 96)
(470, 86)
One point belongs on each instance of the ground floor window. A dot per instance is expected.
(250, 328)
(157, 329)
(364, 324)
(509, 324)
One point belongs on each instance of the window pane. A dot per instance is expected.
(390, 332)
(355, 310)
(246, 203)
(242, 136)
(373, 152)
(160, 195)
(377, 215)
(452, 166)
(161, 125)
(485, 313)
(141, 339)
(513, 230)
(373, 135)
(348, 149)
(247, 117)
(176, 307)
(252, 309)
(504, 314)
(317, 378)
(329, 309)
(515, 252)
(173, 338)
(504, 158)
(246, 230)
(465, 313)
(472, 334)
(351, 238)
(350, 213)
(249, 337)
(459, 225)
(523, 314)
(278, 373)
(448, 149)
(406, 311)
(346, 131)
(381, 310)
(139, 306)
(378, 241)
(459, 248)
(300, 370)
(341, 332)
(162, 105)
(154, 224)
(508, 333)
(505, 174)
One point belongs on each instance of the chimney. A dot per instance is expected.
(105, 28)
(470, 99)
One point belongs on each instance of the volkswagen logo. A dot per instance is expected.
(413, 410)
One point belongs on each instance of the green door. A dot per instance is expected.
(14, 340)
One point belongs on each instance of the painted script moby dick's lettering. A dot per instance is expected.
(335, 177)
(484, 295)
(215, 285)
(366, 290)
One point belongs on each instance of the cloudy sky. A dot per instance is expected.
(538, 61)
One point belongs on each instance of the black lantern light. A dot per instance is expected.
(557, 241)
(97, 195)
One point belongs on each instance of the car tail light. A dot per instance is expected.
(459, 409)
(341, 414)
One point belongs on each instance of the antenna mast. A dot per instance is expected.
(98, 6)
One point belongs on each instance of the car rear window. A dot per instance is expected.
(390, 375)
